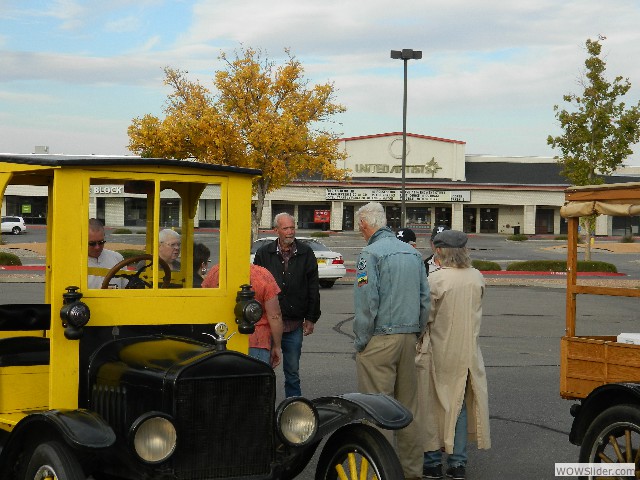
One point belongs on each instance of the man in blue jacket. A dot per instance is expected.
(295, 268)
(391, 311)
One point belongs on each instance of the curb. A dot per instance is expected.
(538, 274)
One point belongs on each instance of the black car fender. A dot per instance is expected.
(379, 409)
(80, 429)
(598, 401)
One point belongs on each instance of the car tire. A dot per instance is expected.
(16, 230)
(357, 452)
(327, 283)
(613, 436)
(53, 460)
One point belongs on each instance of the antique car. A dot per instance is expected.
(151, 380)
(601, 372)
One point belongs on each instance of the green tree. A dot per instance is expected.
(262, 115)
(598, 132)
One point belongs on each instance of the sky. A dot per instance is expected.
(74, 74)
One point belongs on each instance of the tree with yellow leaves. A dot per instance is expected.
(262, 116)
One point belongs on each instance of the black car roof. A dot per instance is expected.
(93, 160)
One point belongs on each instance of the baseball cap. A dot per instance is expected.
(438, 229)
(450, 239)
(406, 235)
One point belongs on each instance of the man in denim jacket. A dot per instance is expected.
(391, 311)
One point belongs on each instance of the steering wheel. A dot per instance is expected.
(134, 280)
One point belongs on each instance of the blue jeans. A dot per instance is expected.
(459, 456)
(261, 354)
(291, 351)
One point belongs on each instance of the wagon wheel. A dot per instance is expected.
(613, 437)
(134, 280)
(358, 452)
(53, 461)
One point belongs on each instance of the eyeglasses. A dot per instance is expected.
(99, 243)
(172, 245)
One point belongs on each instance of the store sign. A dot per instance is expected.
(107, 190)
(321, 216)
(381, 194)
(430, 168)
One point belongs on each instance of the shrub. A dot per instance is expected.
(121, 231)
(320, 234)
(560, 237)
(130, 253)
(7, 258)
(518, 238)
(486, 266)
(627, 239)
(559, 266)
(141, 232)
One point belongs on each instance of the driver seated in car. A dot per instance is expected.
(101, 258)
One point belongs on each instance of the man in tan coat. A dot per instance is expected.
(452, 384)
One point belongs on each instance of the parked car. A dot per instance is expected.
(330, 264)
(153, 381)
(14, 225)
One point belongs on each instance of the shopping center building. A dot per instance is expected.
(443, 185)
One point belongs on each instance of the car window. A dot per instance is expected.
(316, 246)
(258, 244)
(183, 257)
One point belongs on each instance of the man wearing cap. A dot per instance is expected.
(407, 236)
(431, 262)
(391, 296)
(453, 402)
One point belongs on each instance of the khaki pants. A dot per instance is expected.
(387, 365)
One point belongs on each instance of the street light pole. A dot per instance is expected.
(404, 54)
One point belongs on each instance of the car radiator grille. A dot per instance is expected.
(225, 427)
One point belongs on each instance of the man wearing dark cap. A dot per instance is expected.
(407, 236)
(431, 262)
(451, 373)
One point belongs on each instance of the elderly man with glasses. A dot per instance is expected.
(100, 257)
(169, 248)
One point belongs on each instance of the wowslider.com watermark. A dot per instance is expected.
(595, 470)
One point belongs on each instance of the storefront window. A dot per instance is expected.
(419, 217)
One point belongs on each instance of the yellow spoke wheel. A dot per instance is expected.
(358, 452)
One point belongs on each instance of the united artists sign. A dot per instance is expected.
(380, 194)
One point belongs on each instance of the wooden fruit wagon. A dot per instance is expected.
(600, 372)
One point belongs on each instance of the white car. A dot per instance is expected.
(13, 225)
(330, 264)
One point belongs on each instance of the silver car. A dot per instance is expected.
(330, 264)
(13, 225)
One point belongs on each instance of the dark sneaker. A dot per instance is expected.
(432, 473)
(456, 473)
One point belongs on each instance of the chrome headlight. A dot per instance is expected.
(154, 437)
(297, 421)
